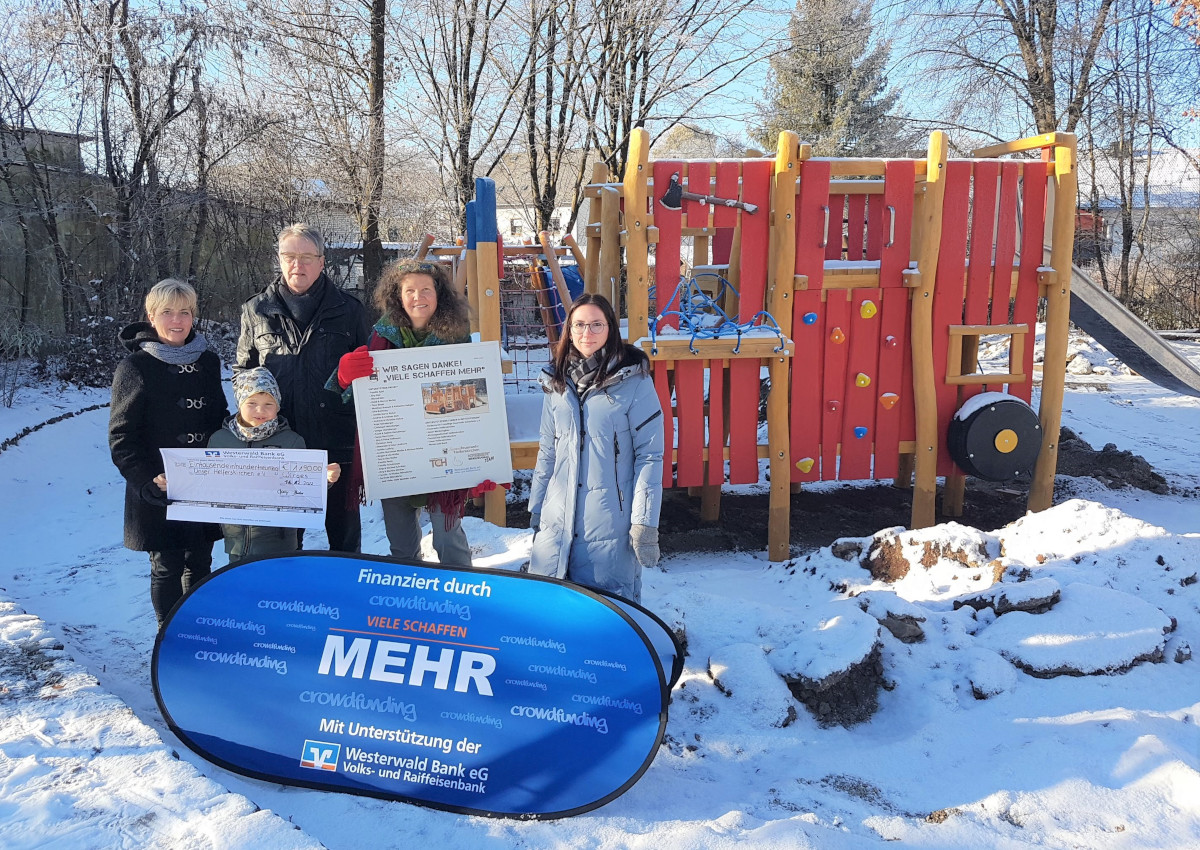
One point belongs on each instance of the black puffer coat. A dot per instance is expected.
(303, 359)
(157, 405)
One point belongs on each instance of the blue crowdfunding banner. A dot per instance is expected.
(470, 690)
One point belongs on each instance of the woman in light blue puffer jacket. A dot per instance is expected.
(597, 486)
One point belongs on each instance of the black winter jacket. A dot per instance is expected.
(302, 361)
(157, 405)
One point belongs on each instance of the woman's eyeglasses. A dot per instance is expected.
(594, 327)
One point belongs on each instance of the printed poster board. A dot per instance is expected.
(283, 488)
(433, 419)
(476, 691)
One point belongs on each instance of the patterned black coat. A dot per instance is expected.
(157, 405)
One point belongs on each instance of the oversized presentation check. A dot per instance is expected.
(277, 487)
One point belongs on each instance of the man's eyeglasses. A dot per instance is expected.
(594, 327)
(302, 259)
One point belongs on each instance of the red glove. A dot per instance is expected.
(356, 364)
(479, 489)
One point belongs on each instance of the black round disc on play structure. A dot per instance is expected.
(995, 436)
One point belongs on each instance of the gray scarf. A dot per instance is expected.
(177, 355)
(583, 372)
(252, 434)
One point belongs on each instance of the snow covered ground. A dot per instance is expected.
(966, 749)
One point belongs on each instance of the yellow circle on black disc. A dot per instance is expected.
(1006, 441)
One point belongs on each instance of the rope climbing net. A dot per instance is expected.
(701, 316)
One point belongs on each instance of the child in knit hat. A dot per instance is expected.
(258, 425)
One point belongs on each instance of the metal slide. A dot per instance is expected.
(1128, 338)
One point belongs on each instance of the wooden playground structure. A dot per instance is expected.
(876, 279)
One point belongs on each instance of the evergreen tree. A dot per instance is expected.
(830, 85)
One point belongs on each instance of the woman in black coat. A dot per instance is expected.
(165, 394)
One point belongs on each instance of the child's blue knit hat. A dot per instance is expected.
(252, 381)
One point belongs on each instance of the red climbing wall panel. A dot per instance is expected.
(892, 394)
(895, 222)
(666, 253)
(756, 189)
(1033, 223)
(948, 295)
(836, 206)
(699, 181)
(856, 226)
(744, 383)
(858, 424)
(729, 175)
(689, 407)
(663, 388)
(804, 424)
(808, 323)
(716, 422)
(833, 378)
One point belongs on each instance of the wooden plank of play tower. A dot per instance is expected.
(928, 219)
(591, 268)
(555, 271)
(1058, 319)
(744, 375)
(638, 221)
(862, 376)
(487, 261)
(667, 254)
(809, 319)
(607, 283)
(948, 299)
(780, 291)
(1025, 302)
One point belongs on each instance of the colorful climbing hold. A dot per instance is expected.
(868, 309)
(890, 342)
(805, 464)
(860, 432)
(836, 336)
(888, 400)
(810, 318)
(862, 380)
(833, 405)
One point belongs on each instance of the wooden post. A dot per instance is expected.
(637, 241)
(954, 492)
(591, 269)
(545, 309)
(423, 247)
(731, 304)
(780, 286)
(928, 216)
(555, 270)
(487, 276)
(610, 246)
(1058, 318)
(580, 260)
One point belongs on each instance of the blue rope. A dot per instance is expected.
(701, 315)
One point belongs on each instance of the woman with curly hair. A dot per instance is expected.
(419, 308)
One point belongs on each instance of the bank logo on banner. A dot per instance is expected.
(320, 755)
(470, 690)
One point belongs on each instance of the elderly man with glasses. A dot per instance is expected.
(298, 328)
